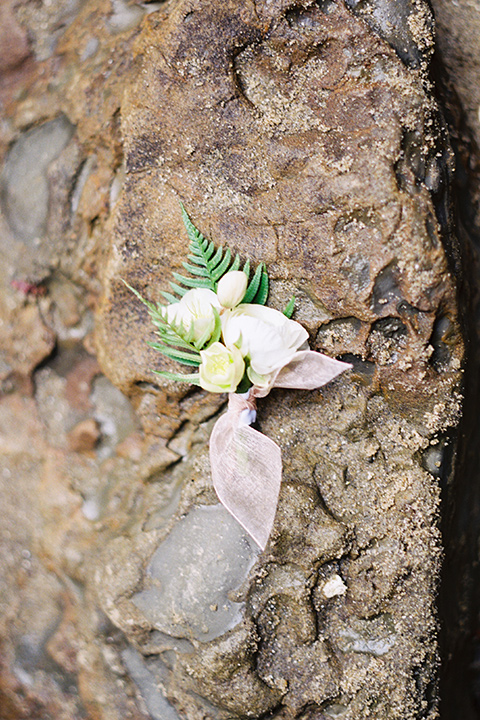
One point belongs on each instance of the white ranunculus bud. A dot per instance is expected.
(196, 307)
(231, 288)
(265, 336)
(221, 368)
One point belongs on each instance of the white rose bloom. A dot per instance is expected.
(196, 307)
(265, 336)
(231, 288)
(221, 368)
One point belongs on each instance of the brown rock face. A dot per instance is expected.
(304, 135)
(297, 136)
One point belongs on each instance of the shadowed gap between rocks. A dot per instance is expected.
(459, 603)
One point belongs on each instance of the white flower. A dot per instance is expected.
(265, 336)
(221, 368)
(231, 288)
(196, 307)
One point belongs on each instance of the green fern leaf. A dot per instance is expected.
(217, 257)
(236, 263)
(222, 267)
(172, 339)
(177, 289)
(253, 285)
(169, 333)
(193, 379)
(262, 293)
(289, 308)
(192, 282)
(194, 235)
(151, 307)
(177, 355)
(207, 264)
(171, 299)
(193, 269)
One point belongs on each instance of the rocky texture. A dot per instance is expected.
(458, 46)
(304, 135)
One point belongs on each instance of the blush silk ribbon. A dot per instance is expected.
(247, 465)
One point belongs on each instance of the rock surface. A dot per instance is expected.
(305, 135)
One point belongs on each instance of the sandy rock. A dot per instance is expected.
(304, 135)
(308, 148)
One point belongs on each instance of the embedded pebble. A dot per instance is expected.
(158, 707)
(371, 637)
(206, 557)
(124, 16)
(24, 181)
(334, 586)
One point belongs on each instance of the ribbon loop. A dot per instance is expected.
(246, 474)
(246, 465)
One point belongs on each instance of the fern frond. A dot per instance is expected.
(206, 263)
(201, 282)
(252, 286)
(172, 339)
(217, 257)
(170, 333)
(177, 289)
(185, 358)
(222, 267)
(193, 379)
(289, 307)
(169, 297)
(236, 263)
(262, 292)
(151, 307)
(193, 269)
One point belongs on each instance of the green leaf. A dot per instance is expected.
(188, 334)
(217, 330)
(207, 264)
(209, 336)
(222, 268)
(244, 384)
(217, 257)
(192, 282)
(193, 379)
(183, 357)
(236, 263)
(171, 334)
(194, 235)
(171, 299)
(262, 294)
(253, 285)
(289, 308)
(172, 339)
(193, 269)
(179, 290)
(148, 304)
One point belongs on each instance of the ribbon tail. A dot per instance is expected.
(309, 370)
(246, 474)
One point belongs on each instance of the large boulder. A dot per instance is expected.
(298, 137)
(304, 135)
